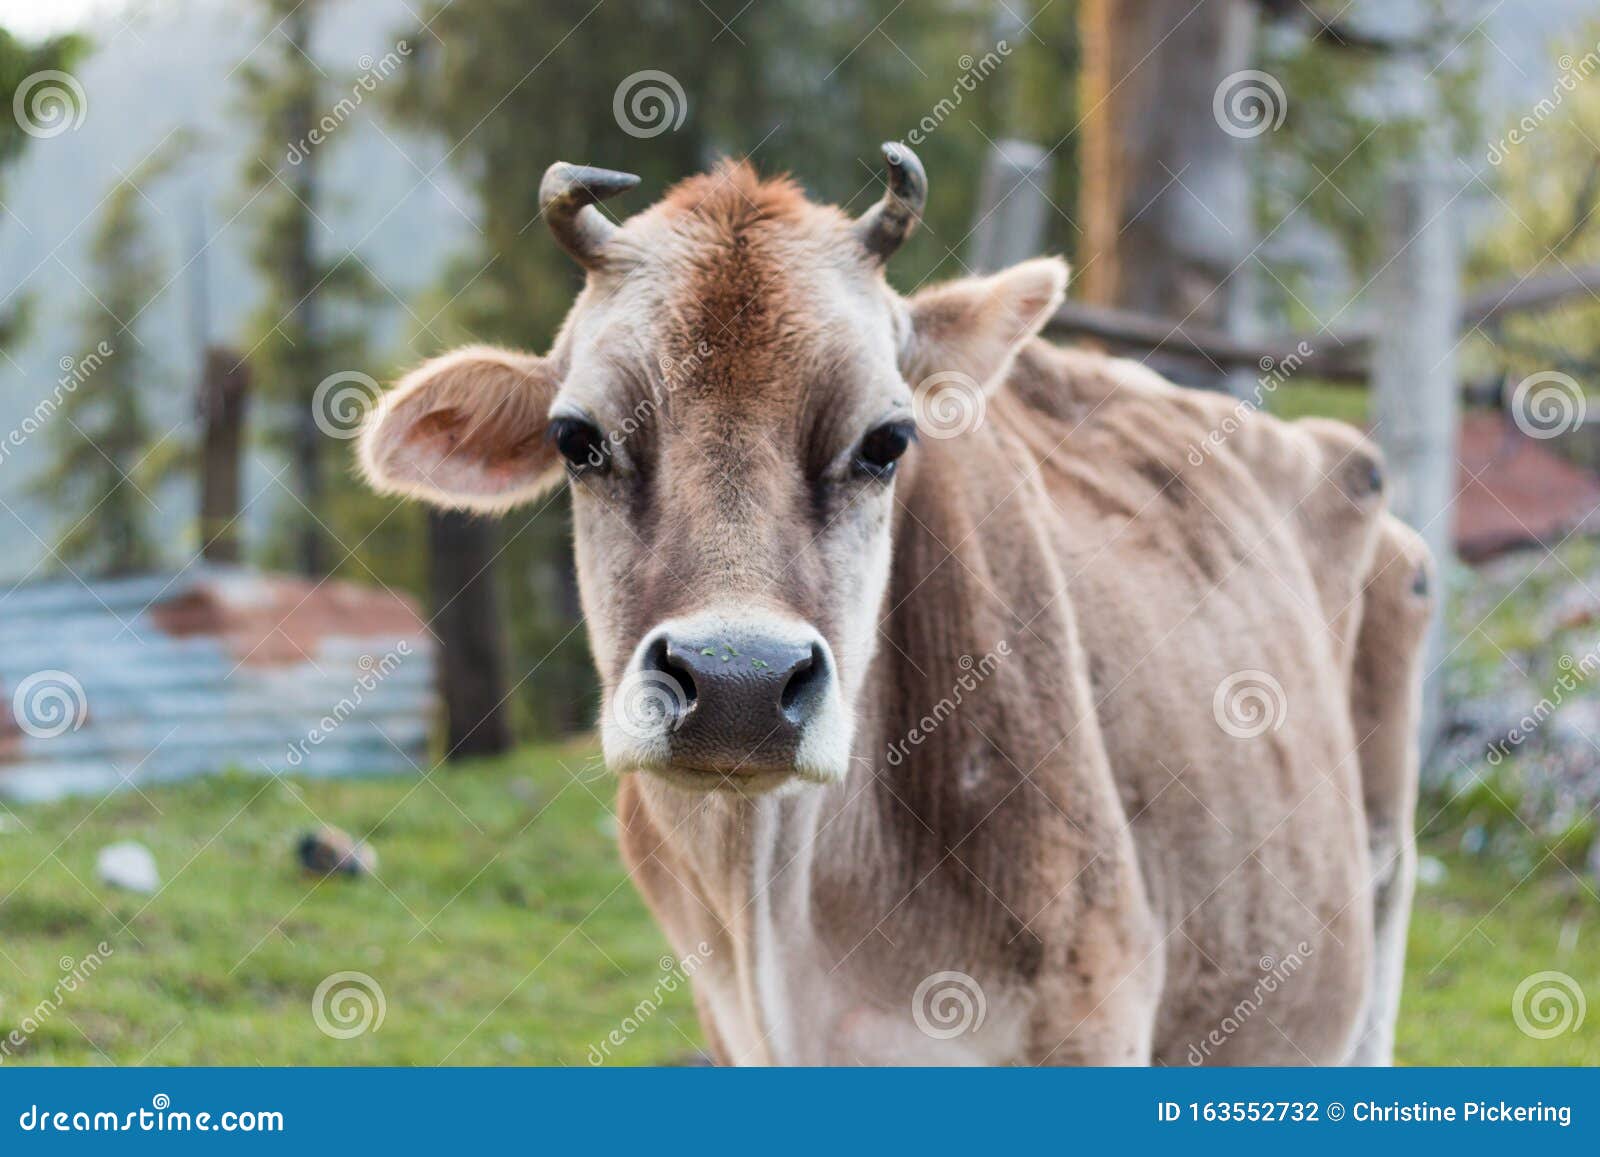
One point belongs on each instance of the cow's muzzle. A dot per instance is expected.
(729, 702)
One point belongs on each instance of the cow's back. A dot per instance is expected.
(1217, 562)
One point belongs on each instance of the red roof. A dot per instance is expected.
(1514, 490)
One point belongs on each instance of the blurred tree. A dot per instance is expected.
(101, 476)
(221, 404)
(19, 62)
(1546, 170)
(1333, 158)
(306, 329)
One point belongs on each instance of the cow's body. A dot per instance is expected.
(1122, 880)
(1081, 733)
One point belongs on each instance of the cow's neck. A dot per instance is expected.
(819, 882)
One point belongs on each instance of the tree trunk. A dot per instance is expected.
(1165, 204)
(466, 619)
(224, 396)
(306, 316)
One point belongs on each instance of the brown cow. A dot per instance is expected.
(1079, 729)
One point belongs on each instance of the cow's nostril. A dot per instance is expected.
(807, 684)
(658, 657)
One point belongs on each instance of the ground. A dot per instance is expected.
(502, 930)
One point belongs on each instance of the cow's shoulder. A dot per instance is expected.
(1211, 474)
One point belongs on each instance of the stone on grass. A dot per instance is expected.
(128, 865)
(328, 851)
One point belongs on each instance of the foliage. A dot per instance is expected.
(19, 61)
(309, 324)
(1342, 138)
(103, 470)
(1293, 400)
(1549, 185)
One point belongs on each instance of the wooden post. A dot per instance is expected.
(1416, 409)
(1013, 205)
(224, 398)
(466, 619)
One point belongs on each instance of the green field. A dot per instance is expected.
(502, 930)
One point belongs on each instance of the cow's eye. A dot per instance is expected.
(581, 444)
(882, 447)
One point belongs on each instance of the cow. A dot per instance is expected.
(973, 700)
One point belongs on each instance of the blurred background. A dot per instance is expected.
(223, 225)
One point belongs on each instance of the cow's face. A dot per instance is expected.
(732, 398)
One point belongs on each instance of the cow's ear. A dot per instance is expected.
(465, 431)
(975, 326)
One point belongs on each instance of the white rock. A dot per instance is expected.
(128, 865)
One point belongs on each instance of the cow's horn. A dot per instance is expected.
(885, 226)
(567, 197)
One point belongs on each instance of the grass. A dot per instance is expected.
(502, 930)
(1320, 400)
(1474, 939)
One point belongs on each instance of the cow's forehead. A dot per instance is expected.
(738, 291)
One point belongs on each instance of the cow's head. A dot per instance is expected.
(731, 397)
